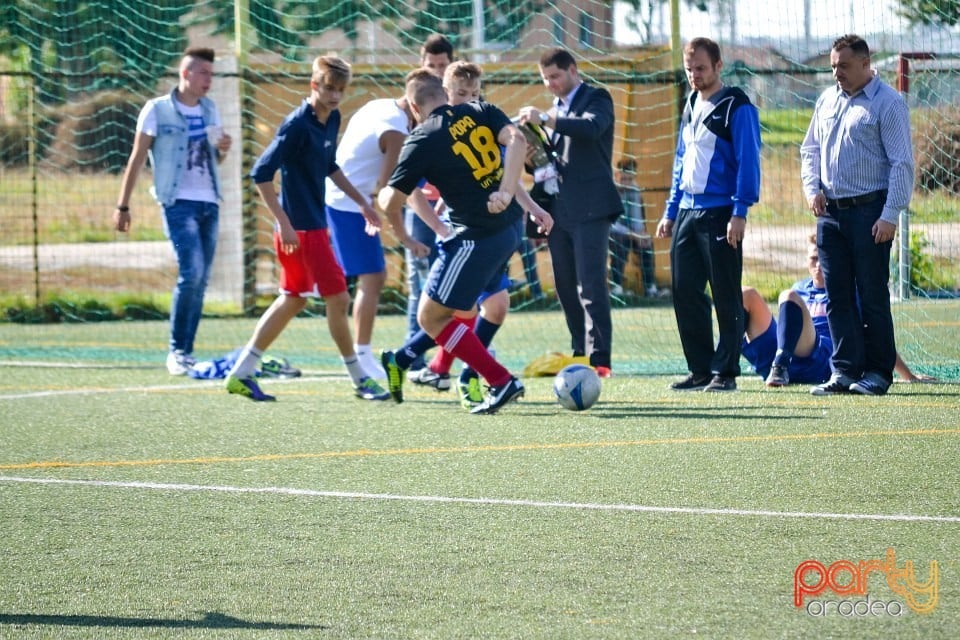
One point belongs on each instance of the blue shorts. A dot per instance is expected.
(812, 369)
(357, 252)
(500, 285)
(465, 269)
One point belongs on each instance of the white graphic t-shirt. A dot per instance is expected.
(196, 180)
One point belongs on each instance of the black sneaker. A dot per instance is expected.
(837, 384)
(394, 375)
(692, 382)
(497, 397)
(779, 376)
(721, 383)
(871, 384)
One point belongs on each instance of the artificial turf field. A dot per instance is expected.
(136, 505)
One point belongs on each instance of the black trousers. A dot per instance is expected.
(856, 271)
(700, 254)
(579, 256)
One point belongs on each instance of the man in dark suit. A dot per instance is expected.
(582, 121)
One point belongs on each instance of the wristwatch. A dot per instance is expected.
(544, 117)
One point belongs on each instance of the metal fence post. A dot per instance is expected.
(904, 262)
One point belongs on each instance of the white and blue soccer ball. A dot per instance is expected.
(577, 387)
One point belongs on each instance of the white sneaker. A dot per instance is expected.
(179, 363)
(429, 378)
(371, 366)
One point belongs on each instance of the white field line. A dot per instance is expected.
(46, 364)
(500, 502)
(190, 384)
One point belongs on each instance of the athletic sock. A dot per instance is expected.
(789, 328)
(361, 349)
(415, 347)
(485, 331)
(354, 368)
(465, 345)
(443, 359)
(247, 363)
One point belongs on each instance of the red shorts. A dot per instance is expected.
(311, 270)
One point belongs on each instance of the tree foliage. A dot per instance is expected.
(286, 26)
(70, 45)
(641, 15)
(504, 20)
(73, 47)
(931, 12)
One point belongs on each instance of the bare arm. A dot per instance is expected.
(909, 376)
(537, 213)
(138, 157)
(289, 242)
(421, 206)
(391, 202)
(366, 208)
(516, 149)
(390, 144)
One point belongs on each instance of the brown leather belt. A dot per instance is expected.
(856, 201)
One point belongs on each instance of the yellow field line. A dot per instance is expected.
(361, 453)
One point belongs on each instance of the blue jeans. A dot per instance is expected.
(417, 268)
(192, 228)
(856, 268)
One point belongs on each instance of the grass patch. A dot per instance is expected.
(653, 515)
(784, 127)
(73, 207)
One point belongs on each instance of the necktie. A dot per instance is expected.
(561, 113)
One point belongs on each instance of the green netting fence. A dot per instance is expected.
(74, 75)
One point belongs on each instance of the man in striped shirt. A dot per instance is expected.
(857, 172)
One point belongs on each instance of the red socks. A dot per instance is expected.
(443, 360)
(463, 343)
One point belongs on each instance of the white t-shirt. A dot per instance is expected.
(358, 153)
(196, 180)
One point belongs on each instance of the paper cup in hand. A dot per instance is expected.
(214, 133)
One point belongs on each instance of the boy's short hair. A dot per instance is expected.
(193, 54)
(331, 69)
(203, 53)
(627, 164)
(462, 71)
(422, 87)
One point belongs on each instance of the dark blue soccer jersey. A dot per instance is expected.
(304, 150)
(456, 150)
